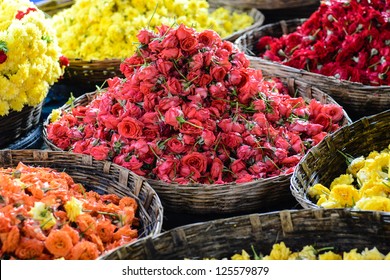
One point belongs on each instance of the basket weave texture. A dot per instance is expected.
(264, 4)
(52, 7)
(18, 124)
(358, 99)
(324, 162)
(339, 228)
(102, 177)
(226, 198)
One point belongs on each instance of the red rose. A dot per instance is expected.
(145, 36)
(218, 91)
(237, 166)
(324, 120)
(231, 139)
(195, 160)
(172, 53)
(208, 138)
(173, 115)
(334, 111)
(189, 44)
(3, 56)
(218, 73)
(164, 66)
(174, 86)
(183, 32)
(130, 128)
(208, 38)
(244, 177)
(192, 127)
(109, 121)
(245, 152)
(168, 102)
(99, 152)
(57, 130)
(176, 146)
(216, 169)
(170, 41)
(197, 62)
(166, 169)
(131, 163)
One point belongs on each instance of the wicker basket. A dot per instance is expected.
(323, 163)
(359, 100)
(18, 124)
(52, 7)
(338, 228)
(227, 198)
(99, 176)
(264, 4)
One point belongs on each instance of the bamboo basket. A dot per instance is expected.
(338, 228)
(264, 4)
(18, 124)
(100, 176)
(358, 99)
(323, 163)
(226, 198)
(52, 7)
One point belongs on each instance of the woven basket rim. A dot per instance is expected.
(264, 4)
(302, 72)
(299, 191)
(232, 233)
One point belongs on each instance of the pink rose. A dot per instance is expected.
(100, 152)
(130, 128)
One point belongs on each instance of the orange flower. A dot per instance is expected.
(31, 229)
(128, 201)
(113, 198)
(59, 243)
(105, 229)
(29, 249)
(125, 233)
(127, 215)
(96, 239)
(86, 224)
(5, 223)
(12, 240)
(84, 250)
(74, 235)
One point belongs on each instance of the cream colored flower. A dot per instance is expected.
(243, 256)
(41, 212)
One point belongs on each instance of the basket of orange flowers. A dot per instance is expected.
(57, 205)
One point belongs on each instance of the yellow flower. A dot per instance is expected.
(352, 255)
(345, 179)
(243, 256)
(372, 254)
(41, 212)
(356, 165)
(73, 208)
(55, 115)
(107, 29)
(318, 190)
(279, 252)
(329, 256)
(345, 195)
(32, 50)
(387, 258)
(374, 203)
(307, 253)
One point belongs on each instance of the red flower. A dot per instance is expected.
(20, 14)
(3, 57)
(174, 117)
(195, 161)
(130, 128)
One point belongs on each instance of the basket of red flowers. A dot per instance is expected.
(336, 49)
(206, 131)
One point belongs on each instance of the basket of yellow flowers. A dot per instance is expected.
(349, 169)
(98, 35)
(309, 234)
(30, 62)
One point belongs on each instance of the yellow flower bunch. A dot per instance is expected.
(281, 252)
(29, 55)
(107, 28)
(365, 186)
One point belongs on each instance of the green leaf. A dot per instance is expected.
(71, 100)
(3, 46)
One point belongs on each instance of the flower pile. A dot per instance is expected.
(191, 110)
(107, 28)
(364, 186)
(44, 214)
(348, 39)
(29, 55)
(281, 252)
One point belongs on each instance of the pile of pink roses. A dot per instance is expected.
(191, 110)
(349, 40)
